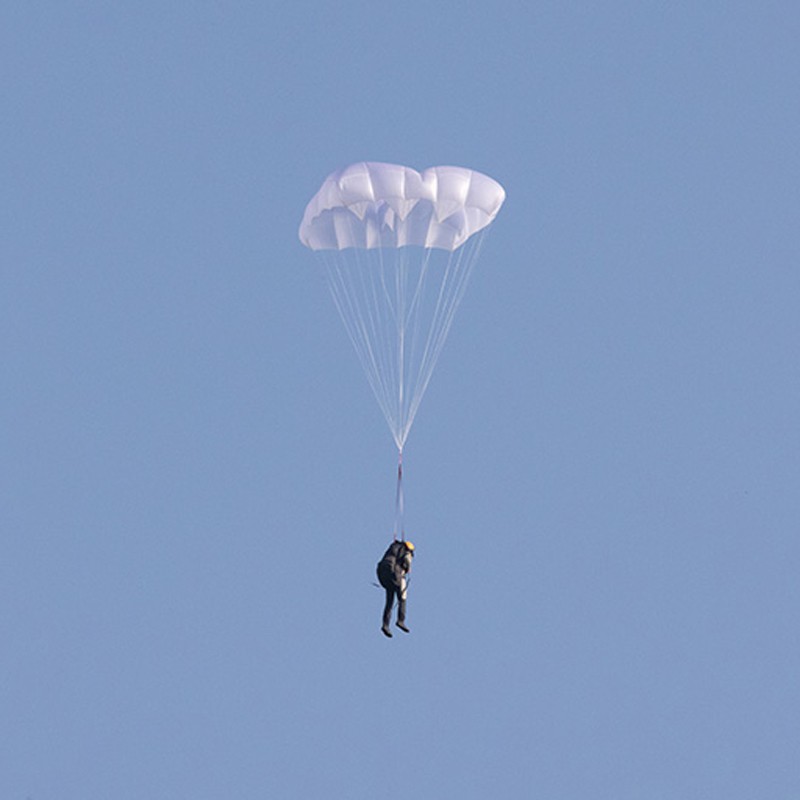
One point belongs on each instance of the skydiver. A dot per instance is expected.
(392, 571)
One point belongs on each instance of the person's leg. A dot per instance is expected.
(402, 594)
(387, 610)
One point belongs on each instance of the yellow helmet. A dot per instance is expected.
(409, 546)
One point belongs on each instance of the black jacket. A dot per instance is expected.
(396, 560)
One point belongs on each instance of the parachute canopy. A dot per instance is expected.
(369, 205)
(399, 246)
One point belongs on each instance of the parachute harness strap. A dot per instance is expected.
(399, 531)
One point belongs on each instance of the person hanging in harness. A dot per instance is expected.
(392, 571)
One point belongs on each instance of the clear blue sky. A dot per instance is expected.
(603, 481)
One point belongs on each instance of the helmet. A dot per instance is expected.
(409, 546)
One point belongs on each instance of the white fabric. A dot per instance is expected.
(370, 205)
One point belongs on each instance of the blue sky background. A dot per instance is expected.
(603, 479)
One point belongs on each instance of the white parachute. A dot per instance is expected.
(399, 246)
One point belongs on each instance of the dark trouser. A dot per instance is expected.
(395, 586)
